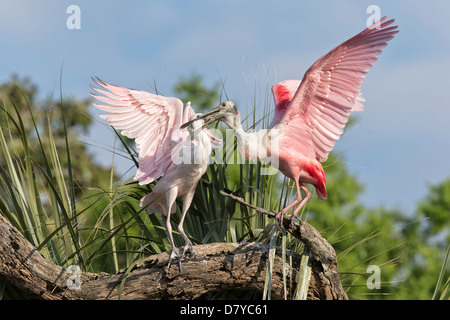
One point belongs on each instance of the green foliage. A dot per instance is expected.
(436, 208)
(192, 89)
(76, 212)
(33, 194)
(429, 244)
(19, 97)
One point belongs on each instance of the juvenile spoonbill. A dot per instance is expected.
(178, 157)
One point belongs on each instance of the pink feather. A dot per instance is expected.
(330, 91)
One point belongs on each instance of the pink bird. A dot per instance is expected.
(164, 151)
(310, 115)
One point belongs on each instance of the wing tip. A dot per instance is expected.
(381, 24)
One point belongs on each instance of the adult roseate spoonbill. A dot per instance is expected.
(310, 115)
(163, 149)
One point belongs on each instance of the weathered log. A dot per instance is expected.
(325, 273)
(217, 267)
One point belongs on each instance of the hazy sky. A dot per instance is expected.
(401, 141)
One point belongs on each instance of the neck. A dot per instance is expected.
(241, 135)
(254, 145)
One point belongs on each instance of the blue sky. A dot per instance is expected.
(401, 141)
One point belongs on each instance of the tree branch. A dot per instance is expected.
(324, 260)
(218, 267)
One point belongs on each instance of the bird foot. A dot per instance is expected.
(292, 217)
(279, 220)
(279, 217)
(174, 255)
(188, 248)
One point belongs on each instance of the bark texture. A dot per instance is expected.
(218, 266)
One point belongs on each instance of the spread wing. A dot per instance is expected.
(330, 90)
(149, 119)
(283, 92)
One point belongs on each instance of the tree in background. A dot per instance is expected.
(67, 117)
(192, 89)
(428, 236)
(47, 176)
(409, 250)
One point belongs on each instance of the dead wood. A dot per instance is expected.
(218, 267)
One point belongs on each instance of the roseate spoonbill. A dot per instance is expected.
(163, 149)
(310, 115)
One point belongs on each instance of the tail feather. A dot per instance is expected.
(156, 203)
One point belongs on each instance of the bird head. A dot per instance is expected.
(224, 112)
(228, 114)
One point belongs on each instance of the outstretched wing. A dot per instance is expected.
(283, 92)
(149, 119)
(330, 90)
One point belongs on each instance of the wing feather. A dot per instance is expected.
(150, 119)
(330, 90)
(283, 92)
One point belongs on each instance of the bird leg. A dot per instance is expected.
(173, 253)
(188, 244)
(279, 215)
(171, 197)
(302, 203)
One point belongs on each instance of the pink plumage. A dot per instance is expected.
(155, 122)
(310, 115)
(148, 118)
(283, 92)
(316, 115)
(330, 89)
